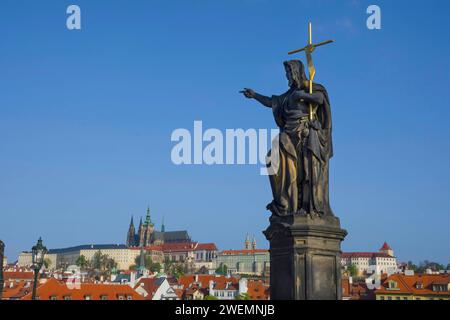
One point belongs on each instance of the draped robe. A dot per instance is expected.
(300, 183)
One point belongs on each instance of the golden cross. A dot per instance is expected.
(309, 48)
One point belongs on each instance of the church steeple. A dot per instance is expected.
(132, 222)
(131, 235)
(254, 243)
(247, 242)
(148, 220)
(163, 227)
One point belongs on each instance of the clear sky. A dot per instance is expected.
(86, 118)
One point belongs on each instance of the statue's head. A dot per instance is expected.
(295, 73)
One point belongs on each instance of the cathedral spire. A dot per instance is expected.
(148, 220)
(131, 241)
(163, 227)
(131, 222)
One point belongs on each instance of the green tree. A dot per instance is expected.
(103, 263)
(82, 262)
(175, 269)
(155, 267)
(178, 270)
(352, 270)
(412, 266)
(208, 297)
(426, 264)
(222, 269)
(98, 260)
(149, 264)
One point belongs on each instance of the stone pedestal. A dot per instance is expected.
(305, 258)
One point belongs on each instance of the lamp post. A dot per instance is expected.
(37, 254)
(2, 247)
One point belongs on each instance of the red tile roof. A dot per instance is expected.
(179, 293)
(207, 246)
(16, 289)
(18, 275)
(60, 290)
(150, 285)
(408, 284)
(385, 246)
(365, 255)
(257, 290)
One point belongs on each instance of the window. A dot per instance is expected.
(87, 297)
(392, 285)
(103, 297)
(67, 298)
(129, 297)
(53, 298)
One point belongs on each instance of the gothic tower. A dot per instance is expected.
(140, 233)
(131, 235)
(254, 243)
(146, 231)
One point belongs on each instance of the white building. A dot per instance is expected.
(379, 262)
(227, 290)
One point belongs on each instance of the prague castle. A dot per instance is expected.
(147, 235)
(175, 246)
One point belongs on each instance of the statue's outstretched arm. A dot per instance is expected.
(250, 94)
(265, 101)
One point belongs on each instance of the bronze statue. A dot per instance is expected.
(300, 185)
(304, 235)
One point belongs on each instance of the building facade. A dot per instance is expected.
(379, 262)
(250, 260)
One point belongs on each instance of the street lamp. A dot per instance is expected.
(2, 248)
(37, 254)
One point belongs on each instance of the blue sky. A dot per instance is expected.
(86, 118)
